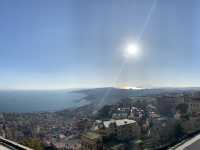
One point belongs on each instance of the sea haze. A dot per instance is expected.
(38, 101)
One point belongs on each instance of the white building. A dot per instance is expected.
(122, 129)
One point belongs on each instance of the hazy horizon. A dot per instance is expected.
(77, 89)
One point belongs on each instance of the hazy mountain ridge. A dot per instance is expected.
(110, 95)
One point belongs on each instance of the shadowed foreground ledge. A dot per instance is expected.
(190, 144)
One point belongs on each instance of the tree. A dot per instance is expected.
(33, 143)
(104, 112)
(50, 147)
(178, 131)
(140, 144)
(165, 106)
(182, 108)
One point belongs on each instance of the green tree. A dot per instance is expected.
(34, 143)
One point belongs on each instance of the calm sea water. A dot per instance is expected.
(37, 101)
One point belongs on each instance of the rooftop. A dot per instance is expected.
(119, 122)
(195, 100)
(92, 135)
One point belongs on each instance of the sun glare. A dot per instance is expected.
(132, 50)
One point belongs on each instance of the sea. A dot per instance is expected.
(39, 101)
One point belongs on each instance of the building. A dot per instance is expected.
(120, 115)
(10, 145)
(194, 105)
(91, 141)
(123, 129)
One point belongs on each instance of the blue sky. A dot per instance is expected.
(47, 44)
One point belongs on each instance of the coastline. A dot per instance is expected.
(40, 101)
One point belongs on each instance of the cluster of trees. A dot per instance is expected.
(166, 107)
(104, 112)
(33, 143)
(36, 144)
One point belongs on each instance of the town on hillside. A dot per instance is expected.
(155, 121)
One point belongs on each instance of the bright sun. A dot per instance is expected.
(132, 50)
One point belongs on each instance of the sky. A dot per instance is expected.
(59, 44)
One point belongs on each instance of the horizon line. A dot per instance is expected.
(73, 89)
